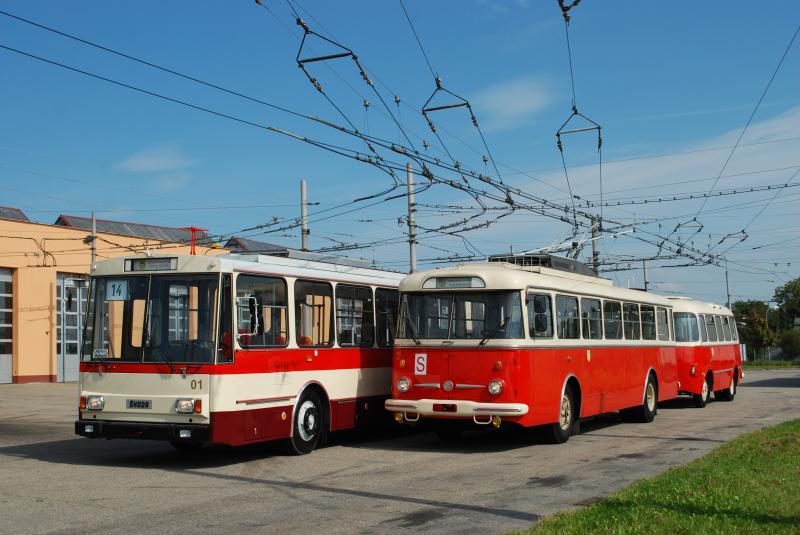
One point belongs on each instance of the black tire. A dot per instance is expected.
(646, 412)
(729, 393)
(186, 447)
(700, 400)
(308, 427)
(560, 431)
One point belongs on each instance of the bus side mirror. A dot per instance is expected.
(251, 305)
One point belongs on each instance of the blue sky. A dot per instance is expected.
(660, 78)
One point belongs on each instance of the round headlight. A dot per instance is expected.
(403, 384)
(495, 387)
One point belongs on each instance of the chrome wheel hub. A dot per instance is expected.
(566, 413)
(650, 397)
(307, 420)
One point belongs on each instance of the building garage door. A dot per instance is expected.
(6, 323)
(71, 298)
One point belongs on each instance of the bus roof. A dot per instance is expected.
(326, 268)
(687, 304)
(505, 276)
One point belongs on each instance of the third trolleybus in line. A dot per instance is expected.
(235, 349)
(529, 344)
(709, 355)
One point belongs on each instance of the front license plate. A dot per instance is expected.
(139, 404)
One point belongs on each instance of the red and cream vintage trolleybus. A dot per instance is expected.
(709, 355)
(506, 341)
(235, 349)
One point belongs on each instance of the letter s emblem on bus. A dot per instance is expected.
(420, 364)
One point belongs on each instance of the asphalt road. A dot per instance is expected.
(406, 481)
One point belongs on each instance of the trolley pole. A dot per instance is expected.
(412, 225)
(595, 238)
(304, 232)
(644, 269)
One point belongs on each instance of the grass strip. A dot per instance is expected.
(748, 485)
(769, 364)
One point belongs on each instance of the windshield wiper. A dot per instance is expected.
(160, 352)
(412, 330)
(95, 355)
(487, 334)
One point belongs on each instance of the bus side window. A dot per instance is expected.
(612, 315)
(271, 309)
(722, 328)
(702, 322)
(631, 321)
(592, 318)
(224, 334)
(540, 316)
(711, 328)
(662, 323)
(354, 315)
(732, 324)
(313, 311)
(648, 322)
(567, 317)
(387, 303)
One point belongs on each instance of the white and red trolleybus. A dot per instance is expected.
(496, 342)
(235, 349)
(709, 355)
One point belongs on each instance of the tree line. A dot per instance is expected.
(761, 326)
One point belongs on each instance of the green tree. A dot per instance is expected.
(752, 324)
(790, 343)
(788, 299)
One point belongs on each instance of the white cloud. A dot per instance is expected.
(512, 103)
(156, 160)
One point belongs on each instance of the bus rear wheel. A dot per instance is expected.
(729, 393)
(646, 412)
(701, 399)
(559, 432)
(308, 428)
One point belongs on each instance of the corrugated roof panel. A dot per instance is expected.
(139, 230)
(253, 246)
(7, 212)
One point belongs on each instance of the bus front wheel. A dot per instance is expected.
(308, 427)
(701, 399)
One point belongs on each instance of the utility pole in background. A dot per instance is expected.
(644, 269)
(727, 285)
(595, 237)
(412, 224)
(304, 232)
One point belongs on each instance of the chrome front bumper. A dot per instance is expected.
(474, 410)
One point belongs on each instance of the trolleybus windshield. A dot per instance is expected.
(152, 318)
(461, 315)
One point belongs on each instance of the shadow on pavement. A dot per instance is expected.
(776, 382)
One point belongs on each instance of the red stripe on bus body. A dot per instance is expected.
(262, 361)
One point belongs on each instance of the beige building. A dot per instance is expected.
(44, 284)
